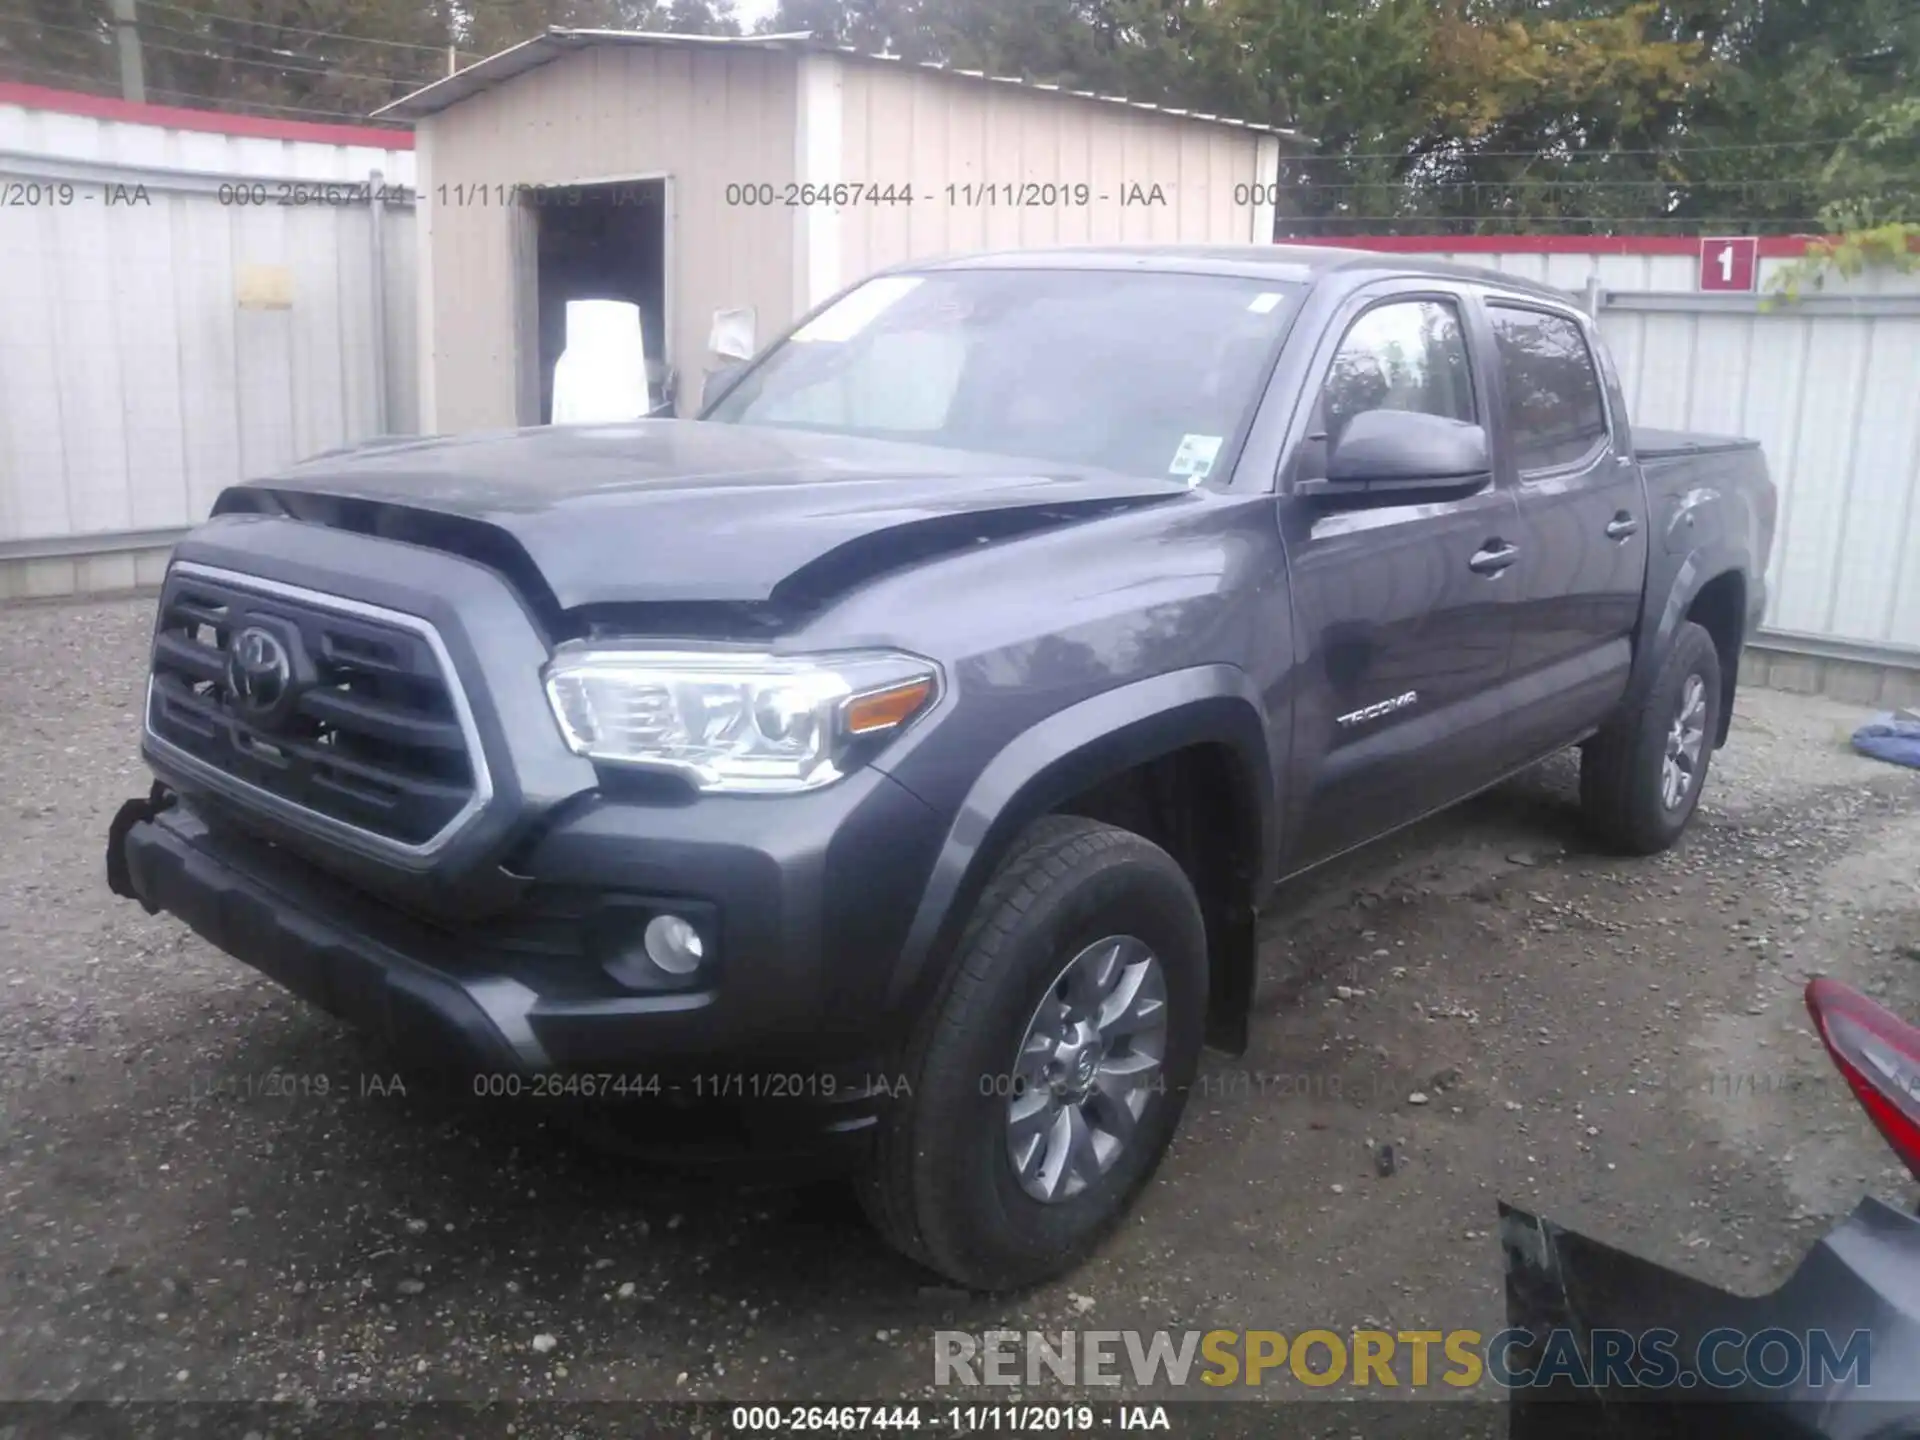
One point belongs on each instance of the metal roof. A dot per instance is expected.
(550, 46)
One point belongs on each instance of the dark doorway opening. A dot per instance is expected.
(601, 242)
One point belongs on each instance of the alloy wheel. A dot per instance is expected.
(1087, 1067)
(1686, 741)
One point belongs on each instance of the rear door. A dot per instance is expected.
(1583, 523)
(1402, 613)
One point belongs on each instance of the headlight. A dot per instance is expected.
(731, 721)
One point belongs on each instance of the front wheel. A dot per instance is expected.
(1049, 1080)
(1641, 776)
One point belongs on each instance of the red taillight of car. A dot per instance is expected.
(1879, 1053)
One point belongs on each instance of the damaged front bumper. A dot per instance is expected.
(507, 1008)
(140, 811)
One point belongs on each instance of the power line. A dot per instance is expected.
(100, 34)
(37, 73)
(284, 67)
(347, 117)
(1316, 187)
(439, 50)
(34, 70)
(151, 27)
(277, 63)
(1453, 155)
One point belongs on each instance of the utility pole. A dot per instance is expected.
(126, 34)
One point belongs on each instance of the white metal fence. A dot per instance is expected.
(1830, 386)
(184, 307)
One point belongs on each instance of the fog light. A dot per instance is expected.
(674, 945)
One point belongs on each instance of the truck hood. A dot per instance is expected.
(687, 511)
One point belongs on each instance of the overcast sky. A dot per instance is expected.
(752, 12)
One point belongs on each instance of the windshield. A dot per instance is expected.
(1140, 372)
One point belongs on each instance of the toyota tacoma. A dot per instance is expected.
(903, 748)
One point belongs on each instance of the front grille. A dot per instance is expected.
(367, 731)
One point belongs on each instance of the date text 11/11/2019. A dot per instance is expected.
(1012, 194)
(1071, 1419)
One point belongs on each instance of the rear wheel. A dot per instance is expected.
(1641, 777)
(1049, 1079)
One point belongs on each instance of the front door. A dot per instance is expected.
(1402, 613)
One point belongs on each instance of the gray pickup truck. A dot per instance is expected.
(892, 761)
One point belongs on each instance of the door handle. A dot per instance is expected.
(1495, 557)
(1621, 526)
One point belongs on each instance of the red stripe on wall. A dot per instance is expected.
(180, 117)
(1771, 246)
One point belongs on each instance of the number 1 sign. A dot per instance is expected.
(1729, 263)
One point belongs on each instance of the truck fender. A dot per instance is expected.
(1674, 582)
(1062, 756)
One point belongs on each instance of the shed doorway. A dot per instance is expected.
(601, 242)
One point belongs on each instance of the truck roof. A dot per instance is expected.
(1300, 264)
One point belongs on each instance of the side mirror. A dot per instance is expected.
(1404, 454)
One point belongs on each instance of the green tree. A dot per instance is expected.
(1802, 124)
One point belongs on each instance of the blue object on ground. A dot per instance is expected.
(1886, 737)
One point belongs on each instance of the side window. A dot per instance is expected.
(1553, 407)
(1409, 355)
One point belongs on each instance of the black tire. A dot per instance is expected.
(941, 1186)
(1622, 768)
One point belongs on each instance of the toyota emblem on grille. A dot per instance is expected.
(259, 670)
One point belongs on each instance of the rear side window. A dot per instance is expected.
(1552, 389)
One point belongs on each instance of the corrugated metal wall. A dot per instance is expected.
(937, 130)
(1831, 389)
(134, 382)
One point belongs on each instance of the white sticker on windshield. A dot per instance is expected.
(1264, 302)
(1194, 458)
(853, 313)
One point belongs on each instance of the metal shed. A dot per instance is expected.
(757, 176)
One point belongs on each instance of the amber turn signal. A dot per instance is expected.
(885, 709)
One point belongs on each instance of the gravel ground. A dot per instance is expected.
(1618, 1045)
